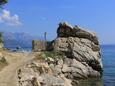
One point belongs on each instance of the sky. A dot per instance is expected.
(38, 16)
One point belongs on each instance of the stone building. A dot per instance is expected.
(38, 45)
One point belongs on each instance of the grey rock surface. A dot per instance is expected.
(83, 48)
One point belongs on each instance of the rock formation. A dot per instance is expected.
(82, 48)
(39, 73)
(82, 60)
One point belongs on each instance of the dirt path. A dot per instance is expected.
(15, 60)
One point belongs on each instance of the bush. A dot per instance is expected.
(3, 63)
(2, 60)
(39, 56)
(50, 54)
(55, 54)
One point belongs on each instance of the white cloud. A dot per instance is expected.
(7, 18)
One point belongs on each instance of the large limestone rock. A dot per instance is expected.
(82, 50)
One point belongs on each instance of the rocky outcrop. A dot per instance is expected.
(39, 73)
(81, 59)
(66, 30)
(82, 50)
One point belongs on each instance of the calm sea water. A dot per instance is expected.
(108, 55)
(108, 58)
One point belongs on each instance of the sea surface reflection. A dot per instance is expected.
(91, 82)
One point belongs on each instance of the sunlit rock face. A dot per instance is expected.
(82, 50)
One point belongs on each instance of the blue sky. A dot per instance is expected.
(38, 16)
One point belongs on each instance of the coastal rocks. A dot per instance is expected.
(75, 55)
(83, 48)
(66, 30)
(40, 74)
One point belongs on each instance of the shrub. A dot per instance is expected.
(55, 54)
(2, 60)
(52, 54)
(3, 63)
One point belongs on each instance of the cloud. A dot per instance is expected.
(7, 18)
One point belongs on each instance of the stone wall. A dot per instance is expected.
(38, 45)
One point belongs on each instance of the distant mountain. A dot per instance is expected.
(24, 40)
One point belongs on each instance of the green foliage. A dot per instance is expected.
(50, 54)
(54, 54)
(2, 2)
(39, 56)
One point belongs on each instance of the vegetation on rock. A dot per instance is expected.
(55, 55)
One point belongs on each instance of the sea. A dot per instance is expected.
(108, 59)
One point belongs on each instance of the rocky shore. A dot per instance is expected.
(75, 55)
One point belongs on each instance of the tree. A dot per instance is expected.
(2, 2)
